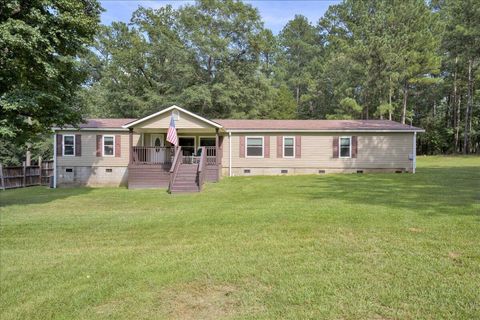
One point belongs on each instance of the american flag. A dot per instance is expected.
(172, 133)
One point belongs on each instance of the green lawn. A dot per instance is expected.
(371, 246)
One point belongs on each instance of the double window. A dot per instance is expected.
(68, 145)
(108, 146)
(288, 147)
(345, 147)
(254, 147)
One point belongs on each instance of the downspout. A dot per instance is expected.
(229, 153)
(54, 160)
(414, 151)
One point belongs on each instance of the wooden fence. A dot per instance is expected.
(26, 176)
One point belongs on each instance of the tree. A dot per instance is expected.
(40, 44)
(348, 109)
(207, 56)
(390, 46)
(462, 42)
(299, 45)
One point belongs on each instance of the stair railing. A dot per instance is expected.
(202, 166)
(177, 160)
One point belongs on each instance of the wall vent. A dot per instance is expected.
(321, 171)
(69, 170)
(398, 171)
(108, 170)
(284, 171)
(359, 171)
(246, 171)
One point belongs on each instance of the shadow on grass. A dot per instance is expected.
(431, 191)
(38, 195)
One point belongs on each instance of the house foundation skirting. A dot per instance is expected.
(92, 176)
(251, 171)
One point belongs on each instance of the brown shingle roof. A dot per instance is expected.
(303, 125)
(327, 125)
(105, 123)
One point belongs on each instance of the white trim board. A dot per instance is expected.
(321, 131)
(174, 107)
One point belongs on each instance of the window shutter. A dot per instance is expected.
(99, 145)
(279, 146)
(266, 146)
(354, 147)
(118, 146)
(335, 147)
(59, 145)
(298, 146)
(242, 147)
(78, 145)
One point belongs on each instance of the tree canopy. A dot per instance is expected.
(41, 42)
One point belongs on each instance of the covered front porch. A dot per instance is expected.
(155, 163)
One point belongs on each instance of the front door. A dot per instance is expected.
(157, 155)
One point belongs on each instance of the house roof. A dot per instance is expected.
(314, 125)
(105, 123)
(234, 125)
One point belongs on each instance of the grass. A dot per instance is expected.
(372, 246)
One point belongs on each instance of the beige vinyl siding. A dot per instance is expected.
(89, 150)
(375, 150)
(163, 121)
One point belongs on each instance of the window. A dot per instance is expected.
(254, 147)
(108, 146)
(288, 147)
(188, 145)
(345, 147)
(69, 145)
(207, 142)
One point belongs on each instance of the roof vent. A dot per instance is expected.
(176, 115)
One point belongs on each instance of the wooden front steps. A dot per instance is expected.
(186, 179)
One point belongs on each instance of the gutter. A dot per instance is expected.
(89, 129)
(229, 153)
(323, 131)
(414, 153)
(54, 160)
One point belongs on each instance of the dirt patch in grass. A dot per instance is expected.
(454, 255)
(201, 301)
(109, 308)
(415, 230)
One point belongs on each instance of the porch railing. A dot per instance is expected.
(164, 155)
(153, 155)
(201, 168)
(211, 156)
(175, 165)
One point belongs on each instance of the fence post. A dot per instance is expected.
(2, 179)
(24, 182)
(40, 171)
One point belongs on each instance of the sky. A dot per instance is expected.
(275, 13)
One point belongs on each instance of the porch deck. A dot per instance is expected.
(151, 167)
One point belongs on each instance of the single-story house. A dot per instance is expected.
(135, 153)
